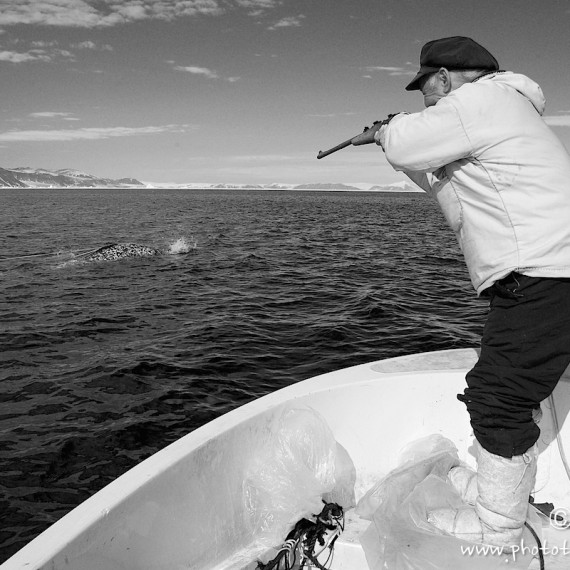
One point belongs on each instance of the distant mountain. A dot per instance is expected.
(327, 186)
(236, 187)
(396, 187)
(8, 180)
(323, 186)
(276, 186)
(23, 177)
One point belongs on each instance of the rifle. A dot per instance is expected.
(365, 137)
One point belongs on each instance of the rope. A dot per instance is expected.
(566, 467)
(558, 438)
(85, 252)
(304, 538)
(540, 553)
(93, 250)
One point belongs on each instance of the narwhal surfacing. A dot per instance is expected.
(120, 251)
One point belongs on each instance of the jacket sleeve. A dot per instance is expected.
(420, 179)
(426, 141)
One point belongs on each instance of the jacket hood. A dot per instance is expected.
(521, 83)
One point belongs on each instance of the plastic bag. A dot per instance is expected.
(297, 463)
(345, 477)
(431, 455)
(399, 536)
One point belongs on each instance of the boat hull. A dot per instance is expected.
(183, 507)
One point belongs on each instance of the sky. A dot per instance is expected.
(242, 91)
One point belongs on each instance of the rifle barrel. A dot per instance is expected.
(340, 146)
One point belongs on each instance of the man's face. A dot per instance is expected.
(432, 88)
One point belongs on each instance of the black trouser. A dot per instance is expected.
(524, 351)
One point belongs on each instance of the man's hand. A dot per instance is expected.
(368, 135)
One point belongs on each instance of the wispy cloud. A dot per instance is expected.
(210, 74)
(49, 115)
(43, 44)
(93, 133)
(48, 51)
(390, 70)
(557, 120)
(19, 57)
(88, 44)
(35, 55)
(288, 22)
(106, 13)
(256, 8)
(204, 71)
(257, 4)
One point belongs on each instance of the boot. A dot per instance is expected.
(500, 510)
(464, 479)
(504, 487)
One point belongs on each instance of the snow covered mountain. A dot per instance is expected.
(323, 186)
(24, 177)
(8, 180)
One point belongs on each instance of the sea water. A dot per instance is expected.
(104, 363)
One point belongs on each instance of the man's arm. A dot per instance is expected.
(425, 141)
(419, 178)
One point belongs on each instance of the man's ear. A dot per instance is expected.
(444, 75)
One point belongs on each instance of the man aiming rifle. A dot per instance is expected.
(502, 179)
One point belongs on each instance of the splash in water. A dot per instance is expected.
(181, 245)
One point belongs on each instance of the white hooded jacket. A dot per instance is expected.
(500, 175)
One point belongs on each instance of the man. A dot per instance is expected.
(502, 179)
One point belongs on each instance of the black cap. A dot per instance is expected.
(453, 53)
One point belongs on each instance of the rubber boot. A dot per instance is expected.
(501, 507)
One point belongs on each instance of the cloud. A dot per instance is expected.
(390, 70)
(289, 22)
(92, 45)
(93, 133)
(206, 72)
(257, 4)
(198, 71)
(107, 13)
(557, 120)
(35, 55)
(17, 57)
(42, 44)
(48, 115)
(48, 51)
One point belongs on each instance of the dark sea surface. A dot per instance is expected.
(104, 363)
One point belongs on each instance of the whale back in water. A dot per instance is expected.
(121, 250)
